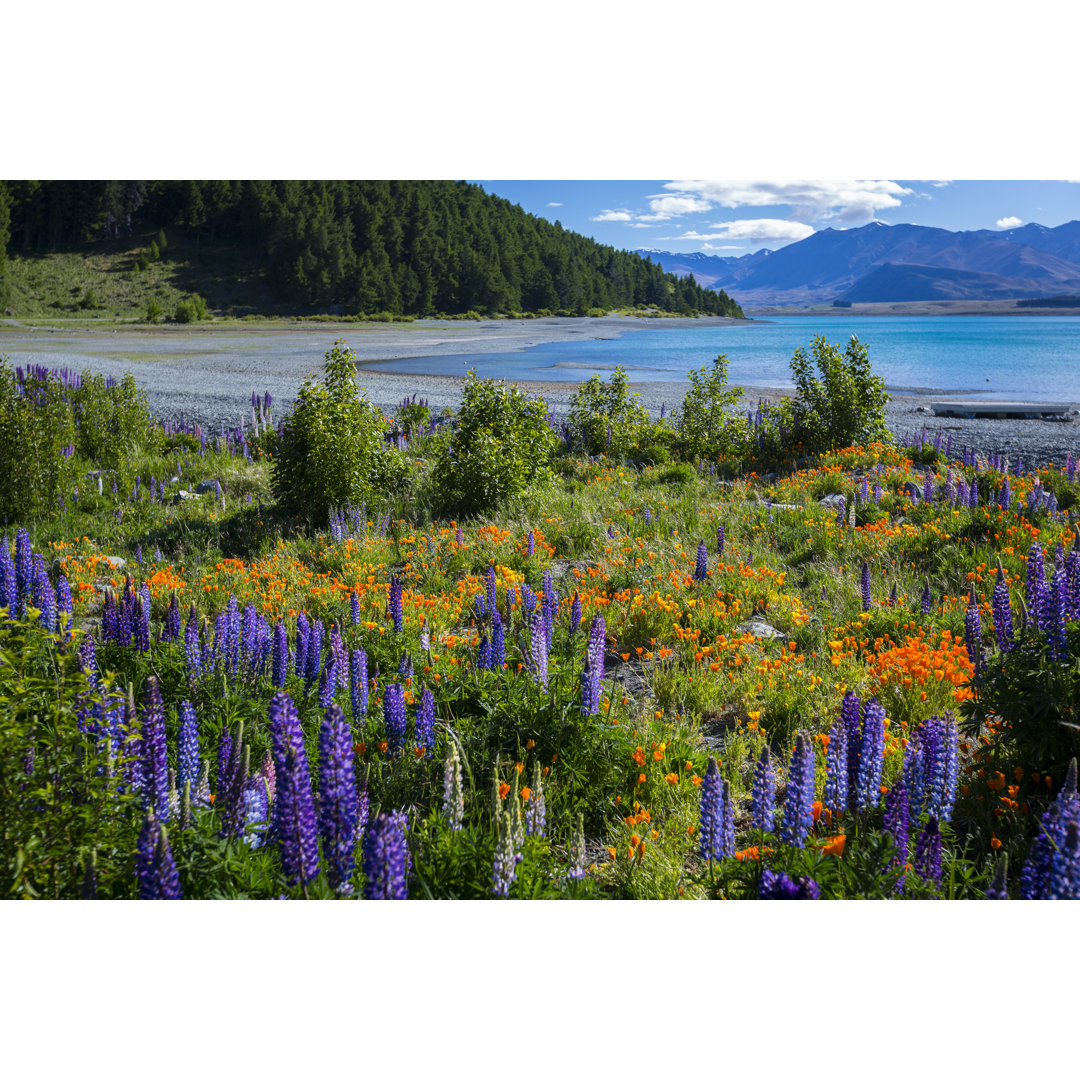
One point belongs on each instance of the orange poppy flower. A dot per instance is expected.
(504, 790)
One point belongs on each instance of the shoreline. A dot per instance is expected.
(212, 384)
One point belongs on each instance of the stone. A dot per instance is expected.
(832, 502)
(182, 496)
(115, 562)
(761, 629)
(912, 491)
(204, 487)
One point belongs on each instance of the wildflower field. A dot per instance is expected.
(763, 654)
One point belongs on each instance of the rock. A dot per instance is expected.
(832, 502)
(783, 506)
(115, 562)
(761, 629)
(205, 487)
(911, 490)
(182, 496)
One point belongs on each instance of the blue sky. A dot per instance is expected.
(737, 217)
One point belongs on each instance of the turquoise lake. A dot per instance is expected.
(1001, 356)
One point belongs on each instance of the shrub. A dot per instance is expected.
(704, 425)
(112, 419)
(190, 310)
(500, 449)
(37, 435)
(88, 301)
(845, 406)
(331, 452)
(605, 418)
(153, 311)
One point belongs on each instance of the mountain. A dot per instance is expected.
(1029, 261)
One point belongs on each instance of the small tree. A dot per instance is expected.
(704, 425)
(845, 406)
(331, 452)
(500, 449)
(605, 417)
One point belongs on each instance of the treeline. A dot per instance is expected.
(406, 247)
(1051, 301)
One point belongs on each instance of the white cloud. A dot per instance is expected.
(664, 207)
(612, 215)
(640, 225)
(1008, 222)
(722, 247)
(810, 200)
(554, 204)
(754, 230)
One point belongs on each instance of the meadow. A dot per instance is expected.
(734, 653)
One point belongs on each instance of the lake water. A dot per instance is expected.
(1034, 357)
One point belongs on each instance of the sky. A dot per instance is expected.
(723, 217)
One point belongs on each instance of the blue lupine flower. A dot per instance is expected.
(155, 762)
(701, 568)
(155, 867)
(776, 885)
(256, 812)
(395, 604)
(192, 652)
(998, 887)
(394, 717)
(1063, 882)
(425, 721)
(799, 800)
(538, 649)
(303, 630)
(358, 684)
(385, 858)
(871, 757)
(835, 795)
(280, 664)
(187, 754)
(1035, 583)
(865, 583)
(354, 608)
(575, 613)
(915, 773)
(924, 602)
(337, 799)
(711, 841)
(313, 659)
(1054, 625)
(896, 825)
(928, 851)
(483, 653)
(294, 805)
(719, 539)
(328, 682)
(531, 542)
(763, 792)
(1003, 627)
(849, 720)
(928, 488)
(498, 642)
(489, 584)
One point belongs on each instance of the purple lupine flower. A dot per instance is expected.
(358, 684)
(575, 613)
(648, 517)
(483, 654)
(385, 858)
(729, 820)
(294, 805)
(44, 599)
(928, 851)
(503, 869)
(395, 604)
(313, 659)
(877, 491)
(701, 568)
(538, 649)
(453, 804)
(531, 542)
(171, 630)
(871, 757)
(799, 799)
(973, 632)
(775, 885)
(1005, 498)
(1063, 882)
(328, 682)
(354, 608)
(711, 840)
(155, 762)
(163, 874)
(337, 799)
(973, 494)
(849, 721)
(144, 857)
(303, 631)
(865, 585)
(230, 795)
(1036, 871)
(425, 721)
(928, 488)
(896, 825)
(192, 652)
(256, 811)
(187, 754)
(64, 603)
(835, 795)
(1057, 593)
(280, 661)
(1003, 627)
(394, 717)
(763, 792)
(998, 888)
(841, 513)
(720, 540)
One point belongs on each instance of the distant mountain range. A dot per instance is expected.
(882, 263)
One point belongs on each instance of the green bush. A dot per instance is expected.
(37, 435)
(606, 418)
(500, 449)
(705, 426)
(153, 311)
(190, 310)
(845, 406)
(112, 422)
(88, 301)
(331, 451)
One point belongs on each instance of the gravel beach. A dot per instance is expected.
(208, 373)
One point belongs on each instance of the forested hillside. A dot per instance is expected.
(405, 247)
